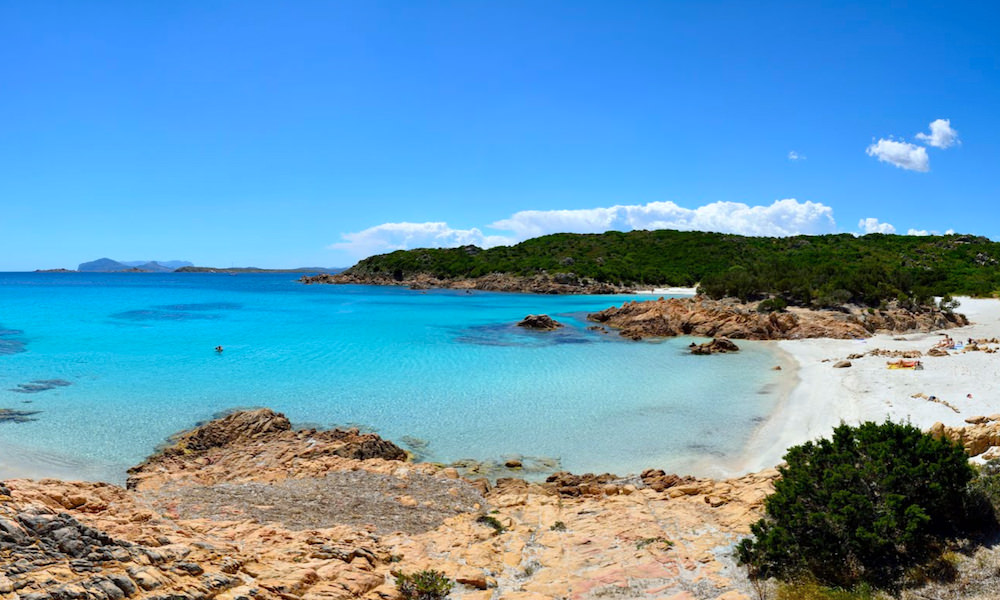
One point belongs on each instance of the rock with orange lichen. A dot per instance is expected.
(245, 507)
(258, 445)
(980, 437)
(589, 544)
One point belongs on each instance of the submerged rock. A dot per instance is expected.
(40, 385)
(9, 415)
(540, 322)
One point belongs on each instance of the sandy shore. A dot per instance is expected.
(669, 291)
(868, 391)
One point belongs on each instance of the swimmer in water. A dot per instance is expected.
(218, 348)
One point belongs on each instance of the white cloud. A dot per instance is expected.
(925, 232)
(793, 155)
(902, 154)
(781, 218)
(401, 236)
(872, 225)
(941, 136)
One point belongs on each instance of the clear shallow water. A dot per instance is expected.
(127, 359)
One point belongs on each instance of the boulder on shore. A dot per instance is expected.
(539, 322)
(716, 346)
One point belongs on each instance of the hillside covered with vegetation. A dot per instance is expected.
(822, 270)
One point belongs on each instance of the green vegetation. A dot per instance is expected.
(558, 526)
(817, 271)
(813, 591)
(424, 585)
(658, 541)
(491, 522)
(862, 508)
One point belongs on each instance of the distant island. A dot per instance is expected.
(812, 271)
(108, 265)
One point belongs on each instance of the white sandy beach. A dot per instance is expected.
(670, 291)
(868, 391)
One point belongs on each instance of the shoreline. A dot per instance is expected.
(669, 291)
(825, 397)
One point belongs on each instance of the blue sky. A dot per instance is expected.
(314, 133)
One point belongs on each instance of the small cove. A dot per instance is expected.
(444, 369)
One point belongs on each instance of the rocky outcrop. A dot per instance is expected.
(49, 554)
(981, 437)
(700, 316)
(246, 507)
(716, 346)
(559, 283)
(540, 323)
(257, 445)
(300, 522)
(886, 353)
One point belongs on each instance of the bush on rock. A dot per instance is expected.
(424, 585)
(860, 508)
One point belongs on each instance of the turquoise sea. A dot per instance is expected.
(114, 363)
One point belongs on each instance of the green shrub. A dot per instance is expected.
(813, 591)
(948, 304)
(772, 304)
(658, 541)
(984, 497)
(860, 508)
(558, 526)
(491, 522)
(424, 585)
(940, 569)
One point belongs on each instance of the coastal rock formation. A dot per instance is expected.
(716, 346)
(257, 445)
(560, 283)
(539, 322)
(700, 316)
(887, 354)
(90, 540)
(294, 520)
(301, 522)
(981, 437)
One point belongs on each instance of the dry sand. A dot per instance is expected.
(669, 291)
(868, 391)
